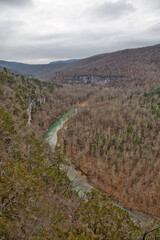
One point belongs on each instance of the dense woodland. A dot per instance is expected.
(115, 140)
(37, 200)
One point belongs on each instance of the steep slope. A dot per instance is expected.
(120, 67)
(37, 199)
(115, 143)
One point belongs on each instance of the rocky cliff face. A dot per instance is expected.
(90, 79)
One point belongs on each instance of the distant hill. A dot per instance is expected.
(36, 70)
(65, 61)
(138, 65)
(117, 68)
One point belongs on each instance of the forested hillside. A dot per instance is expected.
(113, 69)
(37, 200)
(115, 140)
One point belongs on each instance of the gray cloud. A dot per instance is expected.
(149, 6)
(155, 29)
(48, 37)
(76, 47)
(48, 30)
(23, 53)
(80, 49)
(112, 10)
(14, 2)
(153, 3)
(8, 30)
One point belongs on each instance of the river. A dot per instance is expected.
(79, 181)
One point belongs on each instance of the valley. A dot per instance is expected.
(76, 175)
(106, 112)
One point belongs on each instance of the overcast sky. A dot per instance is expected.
(41, 31)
